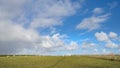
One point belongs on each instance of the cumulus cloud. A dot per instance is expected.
(20, 18)
(95, 21)
(52, 41)
(73, 46)
(17, 40)
(103, 37)
(113, 35)
(111, 44)
(14, 37)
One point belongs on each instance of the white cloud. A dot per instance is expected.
(73, 46)
(51, 13)
(113, 35)
(98, 11)
(11, 9)
(111, 44)
(17, 40)
(96, 50)
(13, 37)
(18, 18)
(52, 41)
(88, 44)
(93, 22)
(42, 13)
(45, 22)
(11, 32)
(103, 37)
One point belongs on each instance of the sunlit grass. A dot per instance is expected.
(57, 62)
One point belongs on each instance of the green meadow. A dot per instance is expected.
(59, 62)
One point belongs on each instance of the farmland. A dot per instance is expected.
(59, 62)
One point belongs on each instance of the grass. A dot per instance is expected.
(57, 62)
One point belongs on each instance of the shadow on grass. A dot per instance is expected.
(109, 59)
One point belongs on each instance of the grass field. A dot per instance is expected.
(57, 62)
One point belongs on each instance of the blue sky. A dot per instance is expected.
(59, 27)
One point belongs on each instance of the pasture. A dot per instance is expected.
(58, 62)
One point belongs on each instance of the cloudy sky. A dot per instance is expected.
(59, 27)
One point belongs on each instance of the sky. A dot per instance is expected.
(59, 27)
